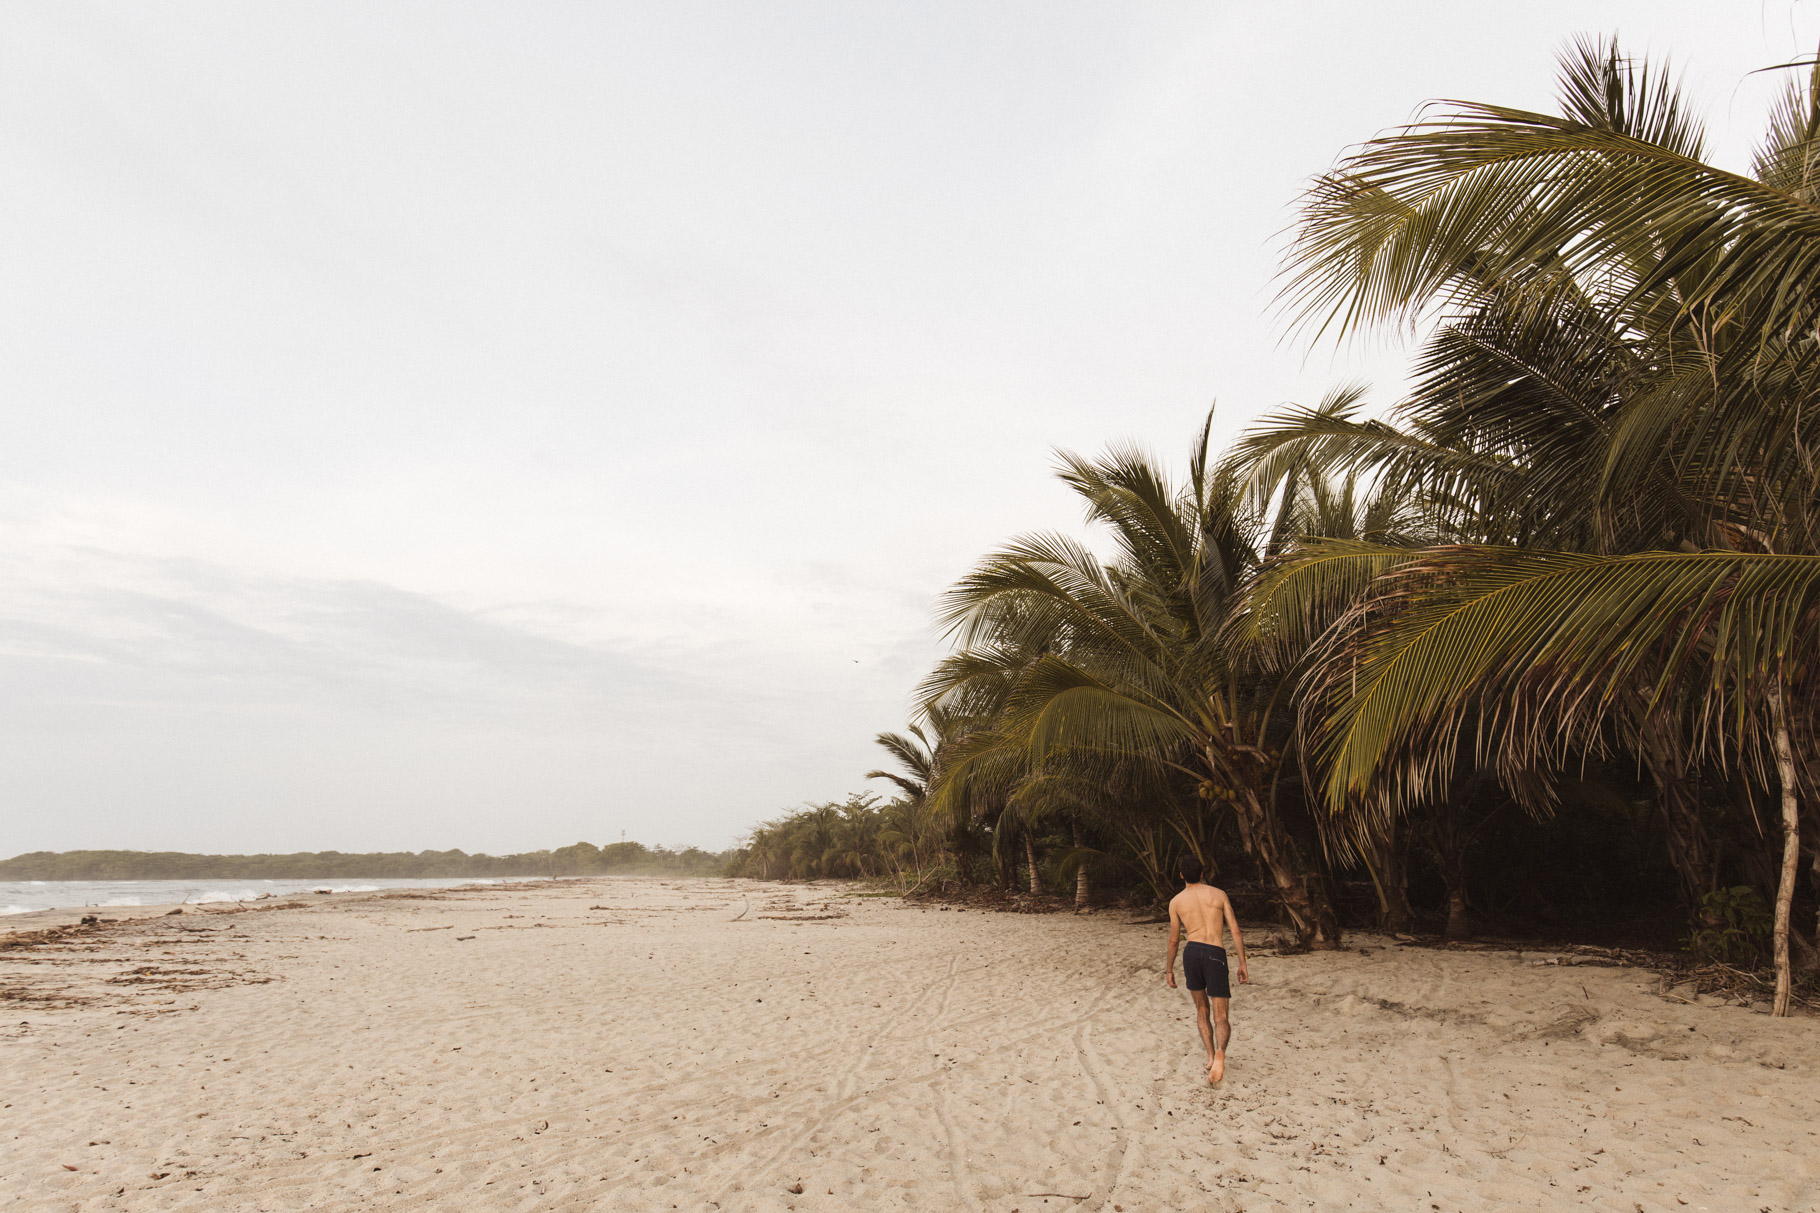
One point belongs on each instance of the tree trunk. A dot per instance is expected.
(1030, 860)
(1791, 844)
(961, 851)
(1082, 890)
(1813, 953)
(1690, 844)
(1447, 836)
(1388, 862)
(1459, 922)
(1310, 913)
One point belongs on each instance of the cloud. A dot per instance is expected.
(179, 702)
(183, 632)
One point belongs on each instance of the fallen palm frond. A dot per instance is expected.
(1744, 987)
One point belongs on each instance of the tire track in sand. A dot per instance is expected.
(814, 1120)
(958, 1172)
(848, 1096)
(1114, 1165)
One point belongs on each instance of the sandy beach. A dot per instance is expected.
(670, 1044)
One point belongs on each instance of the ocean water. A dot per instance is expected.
(28, 896)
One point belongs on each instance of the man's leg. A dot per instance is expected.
(1222, 1027)
(1200, 1014)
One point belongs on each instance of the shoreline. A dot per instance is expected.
(227, 898)
(721, 1044)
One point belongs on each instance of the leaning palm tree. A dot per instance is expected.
(1626, 367)
(915, 756)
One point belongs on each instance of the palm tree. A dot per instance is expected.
(765, 849)
(1114, 662)
(1617, 417)
(923, 756)
(902, 838)
(855, 849)
(915, 755)
(1057, 792)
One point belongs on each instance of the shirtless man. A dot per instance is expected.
(1205, 913)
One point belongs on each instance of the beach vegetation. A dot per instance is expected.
(1534, 643)
(1739, 928)
(859, 837)
(1612, 435)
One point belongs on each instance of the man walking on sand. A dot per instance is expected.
(1204, 912)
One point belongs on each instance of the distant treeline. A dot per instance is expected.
(581, 859)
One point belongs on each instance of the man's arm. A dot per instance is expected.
(1238, 940)
(1175, 940)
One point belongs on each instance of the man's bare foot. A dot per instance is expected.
(1216, 1069)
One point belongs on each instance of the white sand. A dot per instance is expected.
(364, 1053)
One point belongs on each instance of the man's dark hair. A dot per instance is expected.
(1188, 868)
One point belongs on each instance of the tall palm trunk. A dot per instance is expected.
(1791, 843)
(1082, 889)
(1030, 862)
(1310, 913)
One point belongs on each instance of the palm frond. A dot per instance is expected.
(1060, 705)
(1537, 646)
(1293, 600)
(1488, 197)
(910, 787)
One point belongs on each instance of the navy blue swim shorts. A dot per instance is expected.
(1205, 968)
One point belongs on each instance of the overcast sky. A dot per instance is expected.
(496, 425)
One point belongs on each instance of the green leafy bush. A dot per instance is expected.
(1738, 928)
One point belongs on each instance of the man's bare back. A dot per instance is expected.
(1202, 911)
(1205, 914)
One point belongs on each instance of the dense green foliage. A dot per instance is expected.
(852, 838)
(580, 859)
(1610, 449)
(1537, 645)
